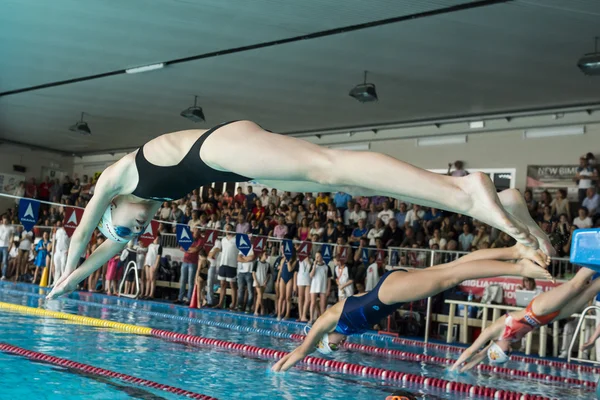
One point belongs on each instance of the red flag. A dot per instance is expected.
(343, 255)
(72, 217)
(258, 244)
(149, 234)
(380, 257)
(209, 240)
(305, 249)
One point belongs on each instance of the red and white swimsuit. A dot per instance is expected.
(516, 329)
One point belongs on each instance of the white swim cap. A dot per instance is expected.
(106, 227)
(496, 355)
(323, 344)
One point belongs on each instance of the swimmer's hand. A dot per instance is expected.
(65, 285)
(289, 360)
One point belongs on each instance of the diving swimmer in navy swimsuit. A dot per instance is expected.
(359, 313)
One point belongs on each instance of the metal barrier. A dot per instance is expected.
(130, 265)
(496, 309)
(581, 337)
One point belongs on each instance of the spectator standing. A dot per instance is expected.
(261, 274)
(60, 246)
(245, 281)
(344, 283)
(31, 189)
(372, 277)
(586, 177)
(265, 199)
(6, 235)
(250, 197)
(44, 189)
(213, 258)
(239, 196)
(19, 192)
(228, 267)
(340, 200)
(188, 268)
(459, 170)
(152, 261)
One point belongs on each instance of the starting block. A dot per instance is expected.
(585, 248)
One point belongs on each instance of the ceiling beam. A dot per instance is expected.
(278, 42)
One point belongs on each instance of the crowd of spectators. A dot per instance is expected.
(351, 223)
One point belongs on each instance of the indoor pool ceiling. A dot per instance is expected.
(508, 56)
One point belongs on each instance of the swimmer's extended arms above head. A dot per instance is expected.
(324, 324)
(107, 188)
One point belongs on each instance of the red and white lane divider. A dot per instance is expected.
(351, 369)
(99, 371)
(525, 359)
(408, 356)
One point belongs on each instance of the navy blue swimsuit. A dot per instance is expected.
(360, 313)
(286, 275)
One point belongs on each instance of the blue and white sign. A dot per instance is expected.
(394, 258)
(243, 243)
(326, 253)
(184, 236)
(28, 213)
(288, 248)
(365, 256)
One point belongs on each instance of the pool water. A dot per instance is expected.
(214, 372)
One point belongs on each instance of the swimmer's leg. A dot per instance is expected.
(283, 158)
(417, 285)
(581, 293)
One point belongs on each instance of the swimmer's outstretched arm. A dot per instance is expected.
(106, 190)
(473, 355)
(324, 324)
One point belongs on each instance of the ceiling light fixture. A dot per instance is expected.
(81, 127)
(540, 133)
(589, 64)
(476, 124)
(145, 68)
(441, 140)
(194, 113)
(364, 92)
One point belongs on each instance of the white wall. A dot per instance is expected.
(89, 165)
(505, 149)
(34, 161)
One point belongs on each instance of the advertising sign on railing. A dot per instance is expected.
(508, 284)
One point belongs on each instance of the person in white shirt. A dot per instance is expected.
(265, 199)
(195, 221)
(6, 234)
(583, 221)
(261, 274)
(228, 267)
(214, 259)
(19, 192)
(151, 263)
(24, 250)
(214, 222)
(371, 277)
(586, 177)
(592, 202)
(303, 288)
(60, 246)
(344, 283)
(413, 216)
(357, 214)
(437, 239)
(244, 277)
(376, 232)
(386, 214)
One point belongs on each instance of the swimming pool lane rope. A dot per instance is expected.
(371, 336)
(338, 366)
(63, 362)
(372, 350)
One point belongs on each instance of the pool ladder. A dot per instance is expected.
(576, 333)
(130, 265)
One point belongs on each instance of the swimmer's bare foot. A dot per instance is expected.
(537, 256)
(531, 270)
(487, 208)
(513, 203)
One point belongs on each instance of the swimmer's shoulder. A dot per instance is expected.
(120, 177)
